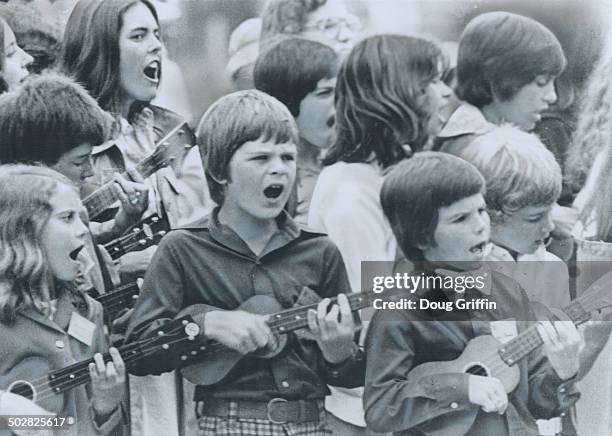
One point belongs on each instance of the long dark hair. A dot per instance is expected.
(379, 98)
(90, 50)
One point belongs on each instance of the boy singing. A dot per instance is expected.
(249, 247)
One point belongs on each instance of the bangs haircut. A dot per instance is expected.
(379, 98)
(286, 17)
(290, 69)
(500, 52)
(48, 116)
(90, 50)
(519, 170)
(233, 120)
(415, 189)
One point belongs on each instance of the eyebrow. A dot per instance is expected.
(144, 29)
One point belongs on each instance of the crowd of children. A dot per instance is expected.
(349, 148)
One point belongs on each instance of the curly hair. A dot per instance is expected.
(379, 98)
(286, 16)
(25, 209)
(594, 127)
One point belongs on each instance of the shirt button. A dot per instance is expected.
(454, 405)
(59, 344)
(285, 384)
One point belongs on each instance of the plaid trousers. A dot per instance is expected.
(232, 426)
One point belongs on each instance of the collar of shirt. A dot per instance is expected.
(482, 271)
(466, 120)
(287, 231)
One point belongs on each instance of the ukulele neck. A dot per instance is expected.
(519, 347)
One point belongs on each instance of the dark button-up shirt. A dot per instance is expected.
(207, 266)
(434, 404)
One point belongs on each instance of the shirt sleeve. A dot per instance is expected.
(392, 400)
(549, 395)
(354, 220)
(351, 372)
(161, 300)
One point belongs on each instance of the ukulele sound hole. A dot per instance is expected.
(24, 389)
(476, 369)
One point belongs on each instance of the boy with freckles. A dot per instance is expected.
(444, 228)
(250, 247)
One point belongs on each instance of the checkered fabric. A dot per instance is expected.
(232, 426)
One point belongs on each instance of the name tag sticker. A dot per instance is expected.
(504, 331)
(81, 329)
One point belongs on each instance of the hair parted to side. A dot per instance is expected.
(46, 117)
(233, 120)
(380, 98)
(286, 17)
(90, 50)
(25, 208)
(519, 170)
(291, 69)
(500, 52)
(416, 188)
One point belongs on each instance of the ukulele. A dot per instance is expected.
(144, 234)
(486, 356)
(56, 382)
(170, 149)
(219, 359)
(123, 297)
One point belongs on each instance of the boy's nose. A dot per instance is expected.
(87, 169)
(549, 224)
(550, 96)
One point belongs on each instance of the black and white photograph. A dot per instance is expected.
(306, 217)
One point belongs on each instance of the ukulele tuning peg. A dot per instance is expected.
(192, 329)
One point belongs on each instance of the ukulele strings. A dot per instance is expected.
(48, 391)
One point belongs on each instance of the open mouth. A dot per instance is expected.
(75, 253)
(273, 191)
(479, 248)
(152, 71)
